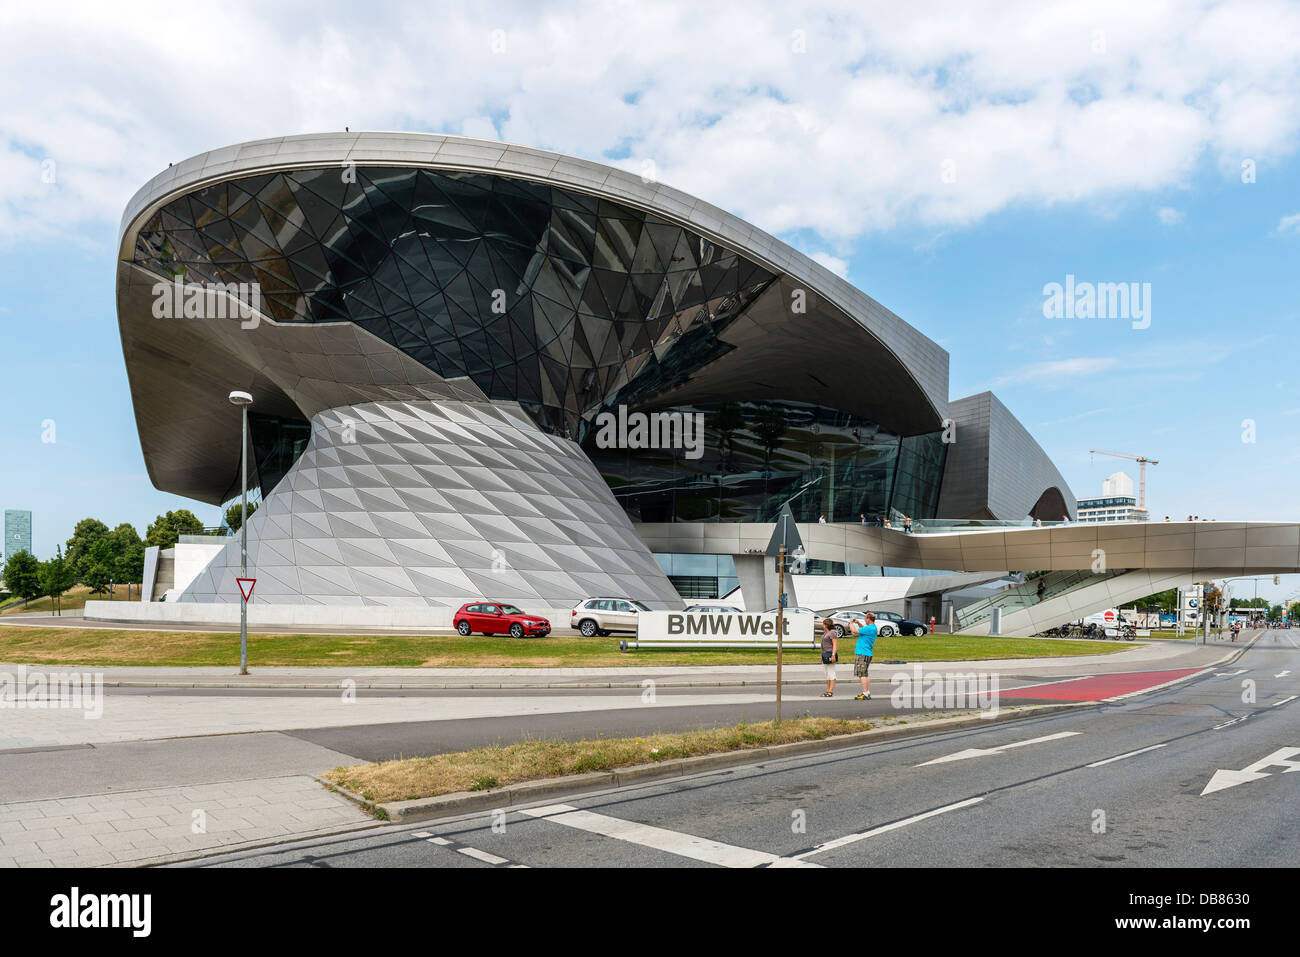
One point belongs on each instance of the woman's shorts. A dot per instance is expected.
(830, 672)
(860, 665)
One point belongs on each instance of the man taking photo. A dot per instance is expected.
(862, 653)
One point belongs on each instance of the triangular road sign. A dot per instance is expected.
(786, 533)
(246, 587)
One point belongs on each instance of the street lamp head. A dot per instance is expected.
(241, 398)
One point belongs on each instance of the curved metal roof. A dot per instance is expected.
(925, 361)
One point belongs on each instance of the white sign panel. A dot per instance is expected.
(711, 628)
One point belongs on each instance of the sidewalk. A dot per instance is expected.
(1154, 654)
(160, 824)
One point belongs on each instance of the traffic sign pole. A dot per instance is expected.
(780, 623)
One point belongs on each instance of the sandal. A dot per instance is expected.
(827, 694)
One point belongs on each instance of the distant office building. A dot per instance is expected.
(18, 532)
(1116, 503)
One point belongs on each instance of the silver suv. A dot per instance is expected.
(600, 616)
(885, 627)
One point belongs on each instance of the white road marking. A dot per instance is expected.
(1282, 758)
(1230, 674)
(421, 834)
(440, 841)
(981, 752)
(884, 828)
(1285, 700)
(658, 838)
(1282, 674)
(483, 856)
(1121, 757)
(1228, 724)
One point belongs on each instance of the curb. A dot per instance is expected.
(182, 857)
(526, 792)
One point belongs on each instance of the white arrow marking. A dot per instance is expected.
(1281, 674)
(1229, 674)
(981, 752)
(1281, 758)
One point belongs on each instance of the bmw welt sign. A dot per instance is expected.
(737, 629)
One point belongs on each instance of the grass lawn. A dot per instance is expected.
(485, 768)
(73, 600)
(127, 647)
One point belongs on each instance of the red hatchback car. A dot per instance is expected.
(497, 618)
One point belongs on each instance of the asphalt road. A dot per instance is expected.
(1194, 775)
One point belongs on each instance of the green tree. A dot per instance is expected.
(22, 575)
(123, 542)
(234, 518)
(87, 532)
(56, 577)
(1275, 612)
(166, 529)
(1166, 601)
(97, 569)
(129, 565)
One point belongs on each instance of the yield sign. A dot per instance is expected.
(785, 533)
(246, 587)
(1281, 758)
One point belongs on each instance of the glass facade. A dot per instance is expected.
(275, 443)
(757, 455)
(542, 295)
(569, 304)
(18, 532)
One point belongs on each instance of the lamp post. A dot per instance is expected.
(243, 400)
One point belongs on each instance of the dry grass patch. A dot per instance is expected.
(486, 768)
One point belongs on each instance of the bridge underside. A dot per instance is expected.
(1149, 557)
(1236, 548)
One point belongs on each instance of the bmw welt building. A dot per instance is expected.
(483, 370)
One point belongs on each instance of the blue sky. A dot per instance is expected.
(1086, 139)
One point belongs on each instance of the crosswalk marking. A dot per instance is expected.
(473, 852)
(483, 856)
(660, 839)
(884, 828)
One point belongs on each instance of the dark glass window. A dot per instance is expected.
(754, 456)
(538, 294)
(276, 443)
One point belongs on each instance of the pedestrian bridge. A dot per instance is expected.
(1125, 560)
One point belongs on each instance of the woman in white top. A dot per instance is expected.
(830, 655)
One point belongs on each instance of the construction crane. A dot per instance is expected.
(1142, 461)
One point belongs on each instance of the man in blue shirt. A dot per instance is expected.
(862, 653)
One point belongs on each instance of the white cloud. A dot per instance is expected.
(1169, 216)
(1289, 223)
(1057, 372)
(889, 116)
(836, 265)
